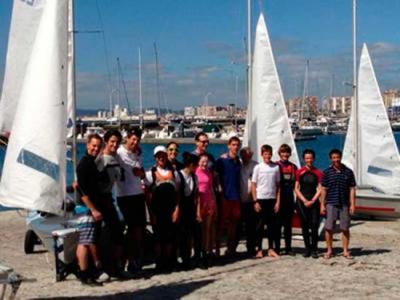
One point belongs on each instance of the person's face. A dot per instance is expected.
(202, 143)
(336, 159)
(172, 151)
(308, 160)
(246, 156)
(203, 163)
(284, 155)
(93, 147)
(112, 145)
(266, 155)
(132, 142)
(161, 159)
(234, 147)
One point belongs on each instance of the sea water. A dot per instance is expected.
(322, 145)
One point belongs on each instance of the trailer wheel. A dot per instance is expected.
(31, 239)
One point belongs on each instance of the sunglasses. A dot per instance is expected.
(173, 150)
(205, 142)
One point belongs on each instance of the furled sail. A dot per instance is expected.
(26, 16)
(34, 169)
(379, 159)
(269, 122)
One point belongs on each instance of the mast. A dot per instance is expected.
(72, 79)
(140, 90)
(357, 167)
(305, 92)
(249, 71)
(157, 79)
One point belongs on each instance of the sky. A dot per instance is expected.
(201, 47)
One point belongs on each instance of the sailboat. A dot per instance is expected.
(267, 118)
(34, 172)
(370, 148)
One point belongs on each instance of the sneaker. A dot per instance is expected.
(90, 282)
(314, 254)
(103, 277)
(307, 253)
(290, 253)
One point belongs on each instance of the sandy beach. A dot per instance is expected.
(374, 273)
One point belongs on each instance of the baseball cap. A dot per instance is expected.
(159, 149)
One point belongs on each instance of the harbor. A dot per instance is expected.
(190, 150)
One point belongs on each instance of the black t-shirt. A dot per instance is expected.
(87, 175)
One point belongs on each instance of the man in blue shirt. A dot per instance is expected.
(337, 200)
(228, 169)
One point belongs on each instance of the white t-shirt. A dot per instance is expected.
(267, 178)
(246, 173)
(189, 183)
(163, 172)
(129, 184)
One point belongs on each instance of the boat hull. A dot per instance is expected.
(370, 203)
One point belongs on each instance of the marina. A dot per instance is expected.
(69, 175)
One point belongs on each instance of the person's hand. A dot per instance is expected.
(276, 207)
(352, 209)
(75, 185)
(323, 209)
(138, 172)
(175, 215)
(198, 218)
(308, 203)
(257, 207)
(224, 155)
(97, 216)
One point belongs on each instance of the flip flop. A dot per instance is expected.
(348, 256)
(327, 255)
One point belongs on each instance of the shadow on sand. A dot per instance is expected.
(168, 291)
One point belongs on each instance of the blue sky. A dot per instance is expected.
(201, 46)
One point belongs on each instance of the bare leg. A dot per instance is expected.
(82, 254)
(346, 242)
(328, 239)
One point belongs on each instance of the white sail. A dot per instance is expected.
(269, 122)
(34, 169)
(25, 20)
(379, 157)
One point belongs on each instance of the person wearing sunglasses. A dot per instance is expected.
(201, 140)
(173, 151)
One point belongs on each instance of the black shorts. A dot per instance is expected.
(111, 220)
(133, 209)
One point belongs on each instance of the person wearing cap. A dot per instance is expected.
(131, 198)
(163, 186)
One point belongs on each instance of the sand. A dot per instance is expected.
(374, 273)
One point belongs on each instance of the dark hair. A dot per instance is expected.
(233, 139)
(172, 143)
(189, 159)
(112, 132)
(246, 150)
(94, 136)
(309, 151)
(285, 148)
(136, 132)
(199, 134)
(266, 148)
(335, 151)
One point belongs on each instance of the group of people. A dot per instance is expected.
(191, 205)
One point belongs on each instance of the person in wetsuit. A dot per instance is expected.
(308, 190)
(288, 175)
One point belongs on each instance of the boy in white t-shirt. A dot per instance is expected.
(266, 195)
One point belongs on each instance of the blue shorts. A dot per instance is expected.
(88, 230)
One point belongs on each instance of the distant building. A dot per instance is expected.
(189, 111)
(389, 97)
(308, 106)
(340, 106)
